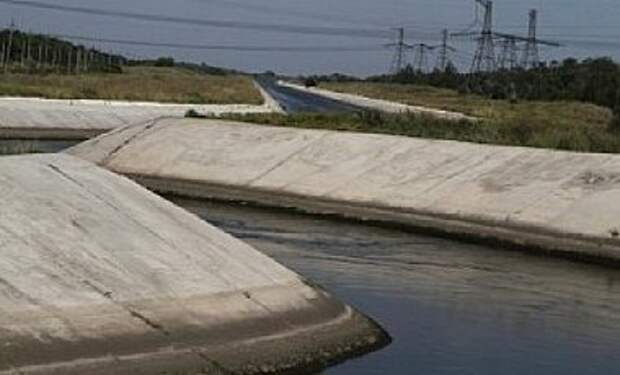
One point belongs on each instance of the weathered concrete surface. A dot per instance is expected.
(562, 202)
(33, 118)
(100, 276)
(378, 104)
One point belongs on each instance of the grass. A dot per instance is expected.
(560, 115)
(159, 84)
(579, 137)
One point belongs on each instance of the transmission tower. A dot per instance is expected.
(9, 49)
(531, 58)
(400, 54)
(420, 61)
(484, 58)
(509, 56)
(443, 59)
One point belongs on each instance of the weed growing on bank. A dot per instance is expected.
(573, 136)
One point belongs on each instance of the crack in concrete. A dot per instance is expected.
(132, 312)
(288, 158)
(151, 124)
(107, 203)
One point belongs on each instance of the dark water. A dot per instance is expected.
(451, 308)
(18, 146)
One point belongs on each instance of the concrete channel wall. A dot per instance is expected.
(35, 118)
(561, 202)
(378, 104)
(100, 276)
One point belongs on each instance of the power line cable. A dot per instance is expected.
(222, 47)
(280, 28)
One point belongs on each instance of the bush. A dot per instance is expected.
(192, 113)
(614, 123)
(310, 82)
(164, 62)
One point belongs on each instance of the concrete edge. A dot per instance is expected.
(379, 104)
(510, 236)
(337, 333)
(58, 132)
(270, 102)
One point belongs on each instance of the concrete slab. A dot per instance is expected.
(35, 118)
(100, 276)
(561, 202)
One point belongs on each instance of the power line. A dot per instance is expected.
(280, 28)
(222, 47)
(264, 8)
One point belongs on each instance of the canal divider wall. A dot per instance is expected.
(52, 119)
(100, 276)
(378, 104)
(559, 202)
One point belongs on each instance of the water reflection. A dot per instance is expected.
(452, 308)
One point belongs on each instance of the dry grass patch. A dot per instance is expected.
(168, 85)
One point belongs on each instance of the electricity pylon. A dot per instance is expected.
(443, 58)
(509, 57)
(400, 54)
(531, 58)
(484, 58)
(420, 61)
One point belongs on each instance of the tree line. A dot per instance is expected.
(22, 52)
(592, 80)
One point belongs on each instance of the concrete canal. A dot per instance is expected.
(451, 308)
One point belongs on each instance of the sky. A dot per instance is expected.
(584, 27)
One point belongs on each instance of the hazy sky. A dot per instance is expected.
(585, 27)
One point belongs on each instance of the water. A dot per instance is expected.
(451, 308)
(17, 146)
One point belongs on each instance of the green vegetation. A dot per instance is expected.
(139, 83)
(571, 136)
(565, 105)
(546, 114)
(595, 81)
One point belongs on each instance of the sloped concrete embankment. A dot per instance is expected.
(100, 276)
(379, 104)
(48, 119)
(560, 202)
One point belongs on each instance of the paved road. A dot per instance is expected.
(295, 101)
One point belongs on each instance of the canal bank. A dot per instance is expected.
(51, 120)
(100, 276)
(546, 201)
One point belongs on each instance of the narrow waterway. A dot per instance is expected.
(451, 308)
(27, 146)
